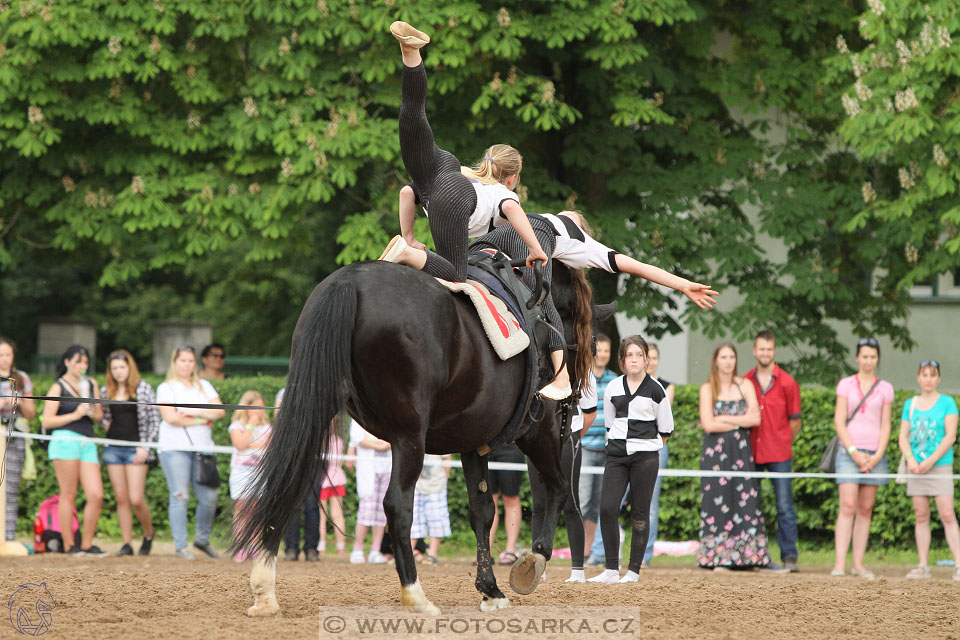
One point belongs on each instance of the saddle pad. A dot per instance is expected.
(501, 326)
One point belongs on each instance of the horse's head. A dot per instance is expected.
(574, 301)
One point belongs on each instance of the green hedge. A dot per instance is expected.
(816, 500)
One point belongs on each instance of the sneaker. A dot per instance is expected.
(920, 572)
(75, 551)
(356, 556)
(791, 564)
(244, 554)
(630, 576)
(577, 575)
(376, 557)
(125, 550)
(186, 554)
(311, 555)
(292, 555)
(609, 576)
(207, 548)
(775, 569)
(145, 546)
(95, 551)
(866, 574)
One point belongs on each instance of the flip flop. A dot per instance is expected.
(507, 558)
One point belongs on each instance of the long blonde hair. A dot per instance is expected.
(714, 379)
(133, 380)
(172, 372)
(499, 162)
(251, 397)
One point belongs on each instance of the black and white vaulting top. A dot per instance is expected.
(635, 421)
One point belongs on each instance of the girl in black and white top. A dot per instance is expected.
(638, 419)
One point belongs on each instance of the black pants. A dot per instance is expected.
(446, 193)
(640, 471)
(506, 239)
(570, 457)
(311, 526)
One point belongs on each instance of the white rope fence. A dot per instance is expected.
(520, 466)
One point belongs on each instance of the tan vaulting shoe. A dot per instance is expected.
(408, 35)
(393, 251)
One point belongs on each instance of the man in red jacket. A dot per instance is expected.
(772, 441)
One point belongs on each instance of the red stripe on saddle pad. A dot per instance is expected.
(501, 322)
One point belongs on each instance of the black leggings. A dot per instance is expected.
(570, 457)
(640, 470)
(506, 239)
(446, 193)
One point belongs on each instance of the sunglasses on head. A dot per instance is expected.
(930, 363)
(117, 355)
(868, 342)
(185, 348)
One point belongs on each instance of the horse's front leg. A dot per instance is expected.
(263, 582)
(398, 506)
(481, 519)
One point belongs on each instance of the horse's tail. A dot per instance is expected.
(318, 385)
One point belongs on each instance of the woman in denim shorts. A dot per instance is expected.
(127, 465)
(862, 422)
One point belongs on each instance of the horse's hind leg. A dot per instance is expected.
(481, 519)
(263, 582)
(398, 506)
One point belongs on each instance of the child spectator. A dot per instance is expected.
(373, 476)
(14, 382)
(127, 466)
(249, 432)
(506, 484)
(332, 491)
(431, 517)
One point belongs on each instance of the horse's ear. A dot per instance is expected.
(603, 311)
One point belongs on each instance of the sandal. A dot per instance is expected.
(430, 559)
(507, 558)
(920, 572)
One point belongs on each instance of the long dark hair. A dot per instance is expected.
(582, 329)
(17, 378)
(69, 354)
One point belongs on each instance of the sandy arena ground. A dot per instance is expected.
(165, 597)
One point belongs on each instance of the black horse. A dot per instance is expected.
(410, 362)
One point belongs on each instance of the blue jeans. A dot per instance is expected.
(786, 514)
(590, 484)
(655, 506)
(178, 468)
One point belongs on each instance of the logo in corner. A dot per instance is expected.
(30, 608)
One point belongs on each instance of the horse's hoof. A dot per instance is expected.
(526, 572)
(492, 604)
(264, 607)
(428, 609)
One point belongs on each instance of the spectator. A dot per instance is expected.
(14, 382)
(213, 358)
(373, 478)
(639, 420)
(332, 491)
(431, 517)
(862, 422)
(570, 459)
(928, 431)
(310, 521)
(181, 428)
(733, 534)
(506, 484)
(653, 361)
(249, 433)
(772, 441)
(127, 466)
(594, 443)
(75, 459)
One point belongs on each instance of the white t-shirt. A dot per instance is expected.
(433, 477)
(173, 437)
(587, 404)
(488, 213)
(370, 462)
(248, 457)
(578, 250)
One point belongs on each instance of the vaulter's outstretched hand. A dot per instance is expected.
(701, 295)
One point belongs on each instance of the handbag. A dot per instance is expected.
(205, 469)
(902, 469)
(828, 462)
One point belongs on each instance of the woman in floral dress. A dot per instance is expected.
(732, 530)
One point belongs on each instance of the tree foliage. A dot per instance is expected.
(213, 160)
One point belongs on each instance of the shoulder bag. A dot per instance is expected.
(205, 469)
(828, 462)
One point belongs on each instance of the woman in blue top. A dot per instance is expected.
(928, 430)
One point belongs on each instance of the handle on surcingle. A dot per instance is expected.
(541, 288)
